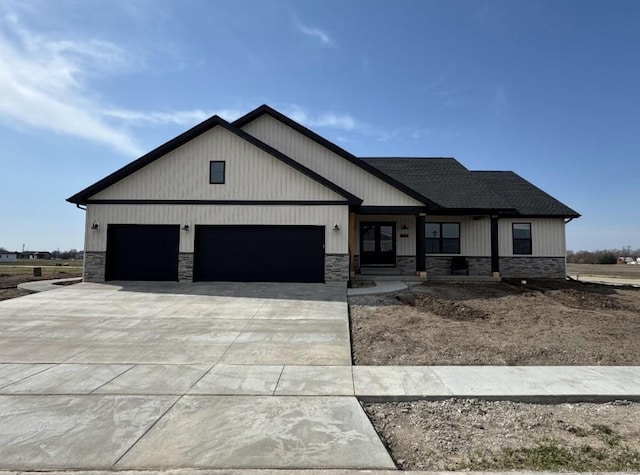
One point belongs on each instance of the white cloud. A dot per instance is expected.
(45, 84)
(316, 33)
(183, 118)
(328, 119)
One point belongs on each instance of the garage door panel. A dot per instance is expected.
(142, 252)
(259, 253)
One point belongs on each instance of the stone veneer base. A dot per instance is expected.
(94, 266)
(510, 267)
(185, 267)
(336, 267)
(533, 267)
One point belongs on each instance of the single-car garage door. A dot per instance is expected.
(259, 253)
(142, 252)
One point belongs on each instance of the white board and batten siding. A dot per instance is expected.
(336, 242)
(372, 190)
(547, 236)
(250, 174)
(475, 236)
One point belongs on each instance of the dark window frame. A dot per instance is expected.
(440, 239)
(224, 172)
(517, 241)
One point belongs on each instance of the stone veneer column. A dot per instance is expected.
(336, 267)
(94, 266)
(185, 267)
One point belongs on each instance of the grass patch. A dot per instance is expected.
(550, 455)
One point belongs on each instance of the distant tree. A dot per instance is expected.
(2, 249)
(606, 257)
(601, 256)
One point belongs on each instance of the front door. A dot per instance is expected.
(378, 244)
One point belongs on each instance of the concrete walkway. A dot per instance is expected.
(516, 383)
(380, 287)
(381, 383)
(46, 285)
(606, 280)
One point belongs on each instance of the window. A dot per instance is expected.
(216, 173)
(442, 238)
(521, 238)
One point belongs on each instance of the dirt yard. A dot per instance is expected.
(16, 273)
(540, 323)
(467, 434)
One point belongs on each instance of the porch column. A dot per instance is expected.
(495, 252)
(421, 269)
(352, 244)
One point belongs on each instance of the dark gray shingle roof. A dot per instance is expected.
(524, 196)
(448, 183)
(443, 180)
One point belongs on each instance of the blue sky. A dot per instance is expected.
(549, 89)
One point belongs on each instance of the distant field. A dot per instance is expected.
(14, 273)
(43, 262)
(611, 270)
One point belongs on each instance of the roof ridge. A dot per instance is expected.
(409, 158)
(310, 134)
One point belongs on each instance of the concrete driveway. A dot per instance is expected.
(154, 376)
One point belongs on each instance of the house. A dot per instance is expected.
(35, 255)
(6, 256)
(266, 199)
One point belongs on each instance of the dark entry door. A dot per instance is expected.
(259, 253)
(142, 252)
(378, 244)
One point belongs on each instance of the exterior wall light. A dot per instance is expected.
(336, 227)
(95, 225)
(185, 227)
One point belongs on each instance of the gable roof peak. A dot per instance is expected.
(192, 133)
(289, 122)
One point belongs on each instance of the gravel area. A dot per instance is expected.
(468, 434)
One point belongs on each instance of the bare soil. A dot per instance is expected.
(468, 434)
(507, 323)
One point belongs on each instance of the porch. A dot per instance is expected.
(390, 246)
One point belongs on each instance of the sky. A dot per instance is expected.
(547, 88)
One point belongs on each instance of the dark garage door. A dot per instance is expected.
(142, 252)
(259, 253)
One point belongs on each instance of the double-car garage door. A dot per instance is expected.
(222, 253)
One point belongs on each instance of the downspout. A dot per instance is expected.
(84, 251)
